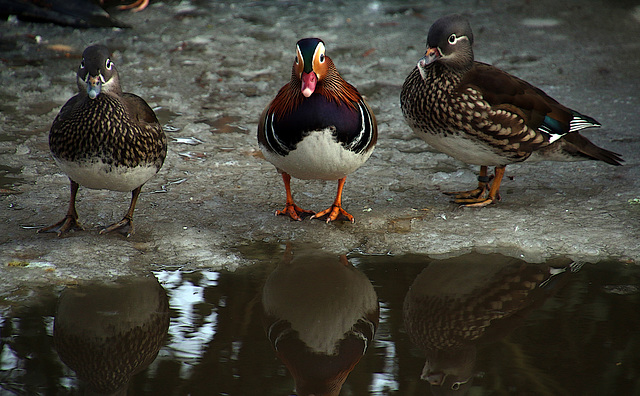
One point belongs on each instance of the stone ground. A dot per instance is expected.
(209, 68)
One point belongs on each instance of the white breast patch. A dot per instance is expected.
(98, 175)
(465, 149)
(318, 156)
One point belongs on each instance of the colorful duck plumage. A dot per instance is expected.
(317, 127)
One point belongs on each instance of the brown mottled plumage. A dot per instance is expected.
(105, 139)
(108, 332)
(456, 305)
(482, 115)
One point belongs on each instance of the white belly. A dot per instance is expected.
(318, 156)
(465, 149)
(98, 175)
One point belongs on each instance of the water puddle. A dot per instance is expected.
(225, 124)
(303, 318)
(166, 117)
(9, 179)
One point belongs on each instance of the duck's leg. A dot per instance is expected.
(125, 226)
(70, 221)
(335, 211)
(493, 195)
(480, 192)
(290, 208)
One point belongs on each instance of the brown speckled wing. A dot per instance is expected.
(502, 90)
(138, 109)
(151, 139)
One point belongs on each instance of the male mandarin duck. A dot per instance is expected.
(317, 127)
(104, 138)
(320, 315)
(484, 116)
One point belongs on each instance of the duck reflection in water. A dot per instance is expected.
(107, 332)
(320, 314)
(455, 305)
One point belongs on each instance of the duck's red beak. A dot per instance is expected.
(309, 81)
(430, 56)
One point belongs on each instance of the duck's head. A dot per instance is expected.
(449, 42)
(97, 73)
(311, 64)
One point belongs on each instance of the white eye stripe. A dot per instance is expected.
(453, 39)
(109, 64)
(319, 53)
(299, 58)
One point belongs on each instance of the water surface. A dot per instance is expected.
(485, 324)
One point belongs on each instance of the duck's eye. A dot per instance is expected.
(321, 58)
(297, 60)
(109, 64)
(453, 39)
(82, 64)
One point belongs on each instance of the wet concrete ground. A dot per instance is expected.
(209, 68)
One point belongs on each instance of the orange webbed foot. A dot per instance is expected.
(485, 194)
(334, 213)
(479, 202)
(63, 226)
(295, 212)
(124, 227)
(477, 193)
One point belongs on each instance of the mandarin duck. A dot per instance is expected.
(108, 332)
(481, 115)
(317, 127)
(455, 305)
(104, 138)
(320, 315)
